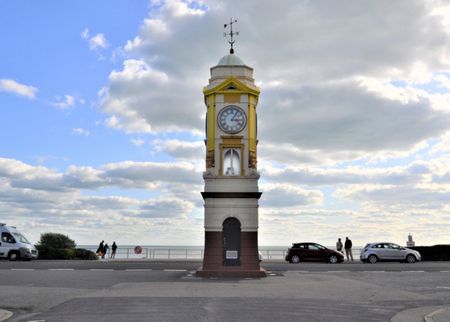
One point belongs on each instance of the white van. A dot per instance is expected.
(14, 245)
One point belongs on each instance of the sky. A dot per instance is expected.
(102, 117)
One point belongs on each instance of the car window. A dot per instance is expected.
(393, 246)
(313, 247)
(378, 246)
(8, 238)
(21, 238)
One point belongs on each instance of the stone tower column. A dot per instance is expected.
(231, 178)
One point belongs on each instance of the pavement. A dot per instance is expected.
(421, 314)
(5, 315)
(150, 292)
(424, 314)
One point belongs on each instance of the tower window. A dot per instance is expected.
(231, 162)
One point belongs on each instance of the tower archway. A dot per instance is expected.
(231, 229)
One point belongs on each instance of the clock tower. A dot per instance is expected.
(231, 178)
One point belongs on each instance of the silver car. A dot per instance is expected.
(374, 252)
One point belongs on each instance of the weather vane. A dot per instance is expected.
(231, 34)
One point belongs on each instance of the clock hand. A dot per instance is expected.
(233, 119)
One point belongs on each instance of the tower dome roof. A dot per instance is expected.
(230, 60)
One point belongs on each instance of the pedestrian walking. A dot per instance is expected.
(105, 249)
(99, 251)
(339, 245)
(113, 250)
(348, 249)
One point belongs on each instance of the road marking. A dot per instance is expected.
(61, 269)
(413, 271)
(444, 287)
(374, 271)
(22, 269)
(174, 270)
(101, 269)
(337, 271)
(138, 270)
(445, 271)
(298, 271)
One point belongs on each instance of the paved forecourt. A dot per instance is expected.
(169, 291)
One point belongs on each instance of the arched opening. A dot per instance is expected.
(231, 242)
(232, 162)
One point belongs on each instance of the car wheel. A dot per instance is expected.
(13, 256)
(295, 259)
(372, 259)
(333, 259)
(411, 258)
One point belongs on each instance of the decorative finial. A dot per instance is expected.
(231, 34)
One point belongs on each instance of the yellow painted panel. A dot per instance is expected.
(252, 123)
(211, 121)
(232, 98)
(230, 140)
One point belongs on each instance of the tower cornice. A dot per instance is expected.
(238, 85)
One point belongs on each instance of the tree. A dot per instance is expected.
(59, 246)
(54, 240)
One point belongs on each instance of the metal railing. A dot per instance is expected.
(150, 253)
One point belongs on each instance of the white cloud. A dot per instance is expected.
(63, 104)
(417, 172)
(131, 44)
(80, 131)
(85, 34)
(394, 197)
(46, 198)
(180, 8)
(95, 42)
(443, 145)
(139, 99)
(165, 208)
(137, 141)
(98, 41)
(181, 149)
(286, 196)
(11, 86)
(328, 93)
(443, 81)
(346, 117)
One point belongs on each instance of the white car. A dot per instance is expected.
(375, 252)
(14, 245)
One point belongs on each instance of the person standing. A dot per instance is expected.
(99, 251)
(348, 248)
(113, 250)
(339, 245)
(105, 249)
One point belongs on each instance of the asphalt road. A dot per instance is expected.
(168, 291)
(278, 266)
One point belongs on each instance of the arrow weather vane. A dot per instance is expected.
(231, 33)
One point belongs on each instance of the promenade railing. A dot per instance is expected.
(151, 253)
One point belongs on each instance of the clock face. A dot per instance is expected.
(232, 119)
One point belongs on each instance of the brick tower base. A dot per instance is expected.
(213, 260)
